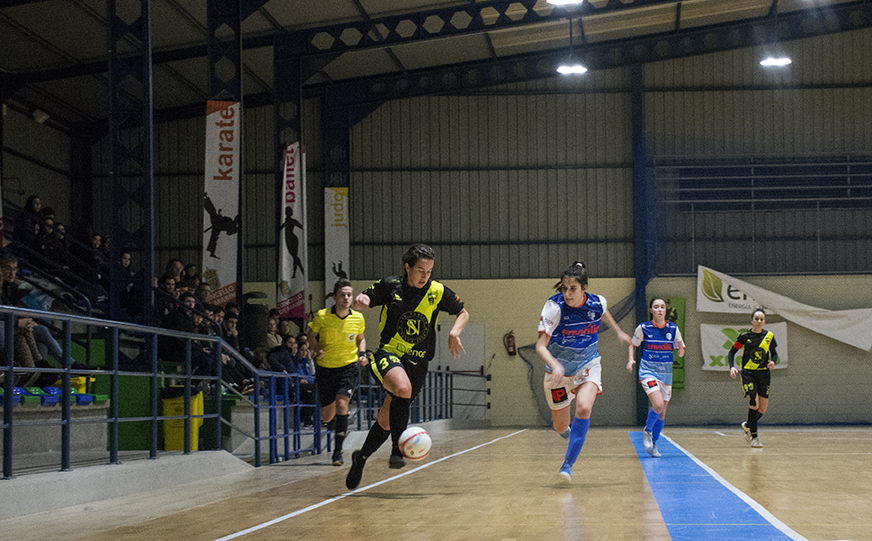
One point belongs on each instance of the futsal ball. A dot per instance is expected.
(415, 443)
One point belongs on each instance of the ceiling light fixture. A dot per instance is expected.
(570, 66)
(565, 2)
(776, 57)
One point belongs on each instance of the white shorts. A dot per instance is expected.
(559, 398)
(651, 386)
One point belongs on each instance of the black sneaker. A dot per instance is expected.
(355, 472)
(337, 457)
(396, 461)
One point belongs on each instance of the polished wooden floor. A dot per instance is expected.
(502, 484)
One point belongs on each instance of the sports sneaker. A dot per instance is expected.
(566, 472)
(747, 432)
(566, 434)
(396, 461)
(355, 472)
(337, 457)
(648, 441)
(755, 442)
(655, 453)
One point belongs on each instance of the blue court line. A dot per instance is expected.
(698, 504)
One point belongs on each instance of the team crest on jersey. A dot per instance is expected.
(351, 336)
(413, 327)
(669, 336)
(431, 296)
(591, 315)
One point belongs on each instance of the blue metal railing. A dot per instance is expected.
(435, 402)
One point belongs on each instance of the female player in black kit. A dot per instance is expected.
(757, 361)
(410, 306)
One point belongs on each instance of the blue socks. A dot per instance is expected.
(576, 439)
(658, 428)
(652, 418)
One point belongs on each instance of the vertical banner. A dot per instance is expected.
(675, 314)
(336, 238)
(716, 341)
(221, 202)
(293, 258)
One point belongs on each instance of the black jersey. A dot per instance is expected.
(759, 348)
(408, 318)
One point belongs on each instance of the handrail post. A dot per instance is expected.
(257, 419)
(8, 384)
(187, 446)
(219, 391)
(153, 390)
(113, 397)
(67, 353)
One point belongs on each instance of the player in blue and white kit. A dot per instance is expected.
(660, 339)
(568, 336)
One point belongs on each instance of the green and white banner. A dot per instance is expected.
(716, 341)
(718, 292)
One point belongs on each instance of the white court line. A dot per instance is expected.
(786, 530)
(337, 498)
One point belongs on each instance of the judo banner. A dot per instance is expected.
(336, 238)
(221, 202)
(718, 292)
(292, 282)
(716, 341)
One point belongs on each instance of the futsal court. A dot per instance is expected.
(806, 483)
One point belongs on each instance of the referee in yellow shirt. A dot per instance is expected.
(336, 340)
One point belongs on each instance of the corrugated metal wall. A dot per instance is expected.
(179, 156)
(516, 184)
(516, 181)
(36, 161)
(724, 105)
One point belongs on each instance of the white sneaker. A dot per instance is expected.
(747, 432)
(648, 441)
(756, 443)
(655, 453)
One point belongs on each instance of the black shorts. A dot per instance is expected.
(336, 381)
(756, 380)
(383, 361)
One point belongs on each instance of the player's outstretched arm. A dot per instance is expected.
(454, 344)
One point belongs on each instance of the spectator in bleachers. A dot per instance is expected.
(231, 333)
(164, 298)
(273, 338)
(61, 246)
(203, 291)
(25, 227)
(33, 341)
(172, 349)
(283, 358)
(190, 276)
(174, 269)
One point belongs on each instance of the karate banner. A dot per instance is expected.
(221, 203)
(293, 257)
(718, 292)
(716, 341)
(336, 238)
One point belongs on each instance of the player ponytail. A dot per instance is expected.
(577, 270)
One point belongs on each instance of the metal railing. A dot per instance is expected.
(270, 391)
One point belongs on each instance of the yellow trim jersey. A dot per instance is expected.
(337, 336)
(407, 325)
(759, 347)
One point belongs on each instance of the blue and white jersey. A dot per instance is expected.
(573, 330)
(659, 342)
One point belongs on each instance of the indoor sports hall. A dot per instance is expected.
(187, 186)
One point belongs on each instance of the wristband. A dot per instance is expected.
(361, 354)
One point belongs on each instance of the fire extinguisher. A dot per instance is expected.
(509, 342)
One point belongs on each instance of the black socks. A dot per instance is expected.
(340, 429)
(753, 416)
(374, 439)
(399, 420)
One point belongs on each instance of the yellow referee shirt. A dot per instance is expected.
(337, 337)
